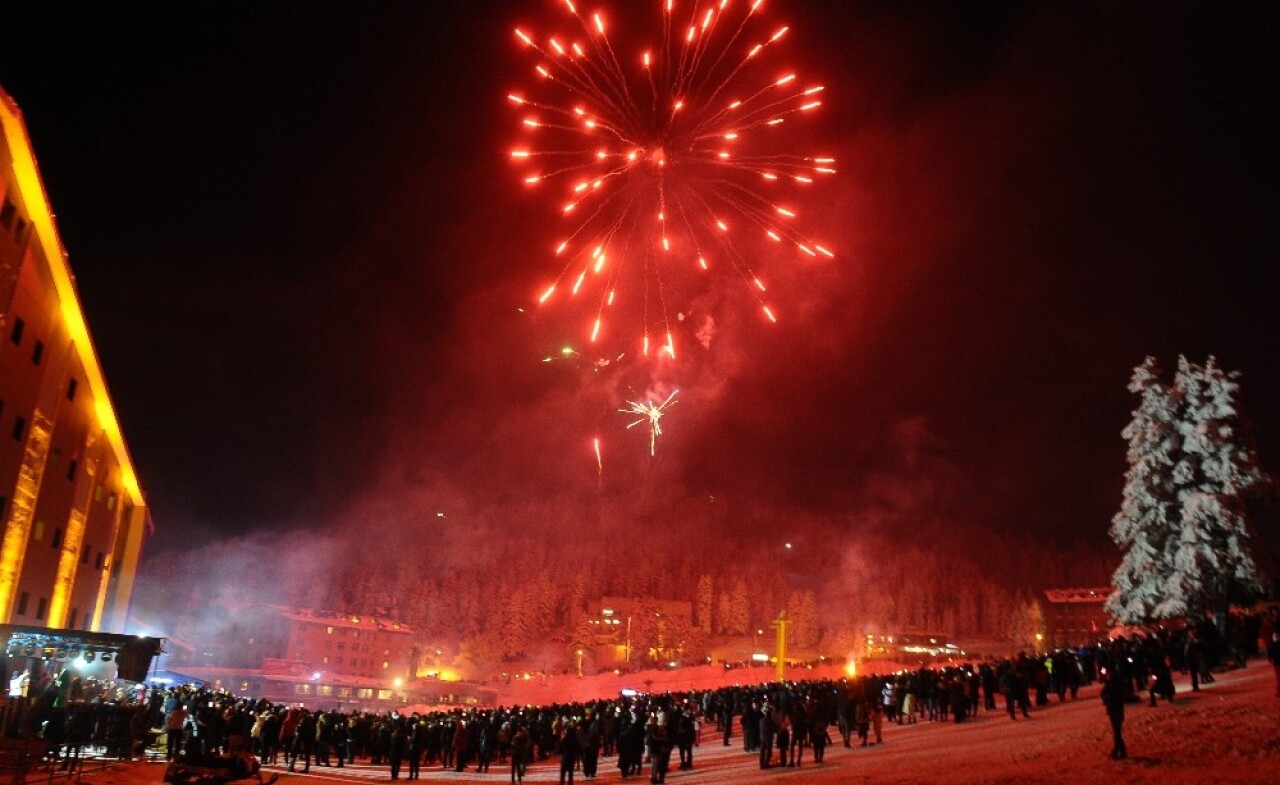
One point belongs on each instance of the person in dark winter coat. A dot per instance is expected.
(521, 750)
(570, 749)
(766, 736)
(1273, 654)
(1113, 698)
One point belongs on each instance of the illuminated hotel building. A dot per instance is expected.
(73, 516)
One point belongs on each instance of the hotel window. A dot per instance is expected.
(97, 492)
(37, 353)
(23, 599)
(41, 608)
(324, 689)
(18, 327)
(385, 665)
(71, 620)
(302, 689)
(56, 542)
(366, 692)
(71, 469)
(38, 534)
(99, 561)
(84, 555)
(71, 389)
(55, 458)
(337, 660)
(19, 428)
(111, 502)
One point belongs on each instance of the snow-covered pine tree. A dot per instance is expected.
(1183, 524)
(1143, 527)
(1216, 474)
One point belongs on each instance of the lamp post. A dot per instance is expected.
(579, 663)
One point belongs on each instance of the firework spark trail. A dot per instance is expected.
(652, 414)
(663, 166)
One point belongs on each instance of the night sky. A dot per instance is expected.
(302, 247)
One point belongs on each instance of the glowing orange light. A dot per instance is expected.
(769, 313)
(784, 80)
(519, 153)
(773, 236)
(524, 37)
(702, 263)
(547, 294)
(785, 212)
(779, 34)
(759, 284)
(599, 23)
(578, 283)
(824, 251)
(595, 331)
(556, 46)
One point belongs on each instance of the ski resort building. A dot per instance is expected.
(72, 514)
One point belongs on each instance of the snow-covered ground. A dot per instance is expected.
(1229, 732)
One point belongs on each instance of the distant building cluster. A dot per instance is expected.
(321, 659)
(1076, 617)
(73, 516)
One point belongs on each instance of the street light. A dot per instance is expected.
(579, 663)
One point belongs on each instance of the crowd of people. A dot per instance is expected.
(783, 724)
(787, 724)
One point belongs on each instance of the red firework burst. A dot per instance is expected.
(671, 163)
